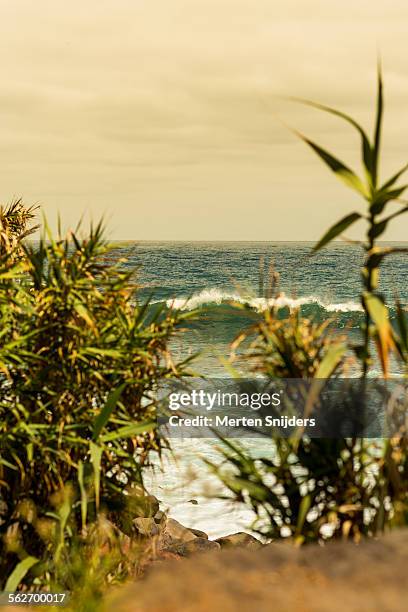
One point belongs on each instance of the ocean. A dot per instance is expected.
(208, 275)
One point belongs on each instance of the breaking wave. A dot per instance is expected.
(209, 297)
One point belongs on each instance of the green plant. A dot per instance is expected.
(83, 563)
(308, 489)
(314, 489)
(15, 220)
(292, 347)
(80, 360)
(378, 196)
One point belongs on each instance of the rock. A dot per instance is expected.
(239, 539)
(174, 547)
(160, 516)
(199, 534)
(185, 549)
(146, 526)
(201, 545)
(173, 530)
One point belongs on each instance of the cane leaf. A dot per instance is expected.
(337, 229)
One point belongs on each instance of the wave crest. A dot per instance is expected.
(208, 297)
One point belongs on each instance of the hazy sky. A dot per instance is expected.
(161, 114)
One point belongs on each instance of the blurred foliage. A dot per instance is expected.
(315, 489)
(292, 347)
(81, 562)
(15, 225)
(378, 198)
(80, 359)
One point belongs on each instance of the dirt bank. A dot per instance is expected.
(341, 576)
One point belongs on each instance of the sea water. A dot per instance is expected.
(208, 276)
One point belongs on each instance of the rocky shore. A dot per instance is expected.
(169, 537)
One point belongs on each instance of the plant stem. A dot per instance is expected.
(368, 281)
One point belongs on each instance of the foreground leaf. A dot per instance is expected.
(129, 430)
(378, 312)
(107, 410)
(337, 229)
(96, 455)
(344, 173)
(19, 572)
(378, 124)
(367, 153)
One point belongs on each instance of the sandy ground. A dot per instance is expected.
(338, 577)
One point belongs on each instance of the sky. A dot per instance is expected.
(170, 117)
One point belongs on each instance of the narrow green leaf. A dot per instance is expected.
(379, 228)
(397, 213)
(402, 325)
(96, 455)
(377, 309)
(64, 510)
(8, 464)
(30, 451)
(107, 410)
(378, 123)
(330, 361)
(102, 352)
(84, 313)
(141, 310)
(84, 497)
(383, 197)
(326, 368)
(303, 510)
(344, 173)
(394, 178)
(337, 229)
(378, 312)
(366, 151)
(128, 431)
(19, 572)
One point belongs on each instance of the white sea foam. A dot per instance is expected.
(217, 297)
